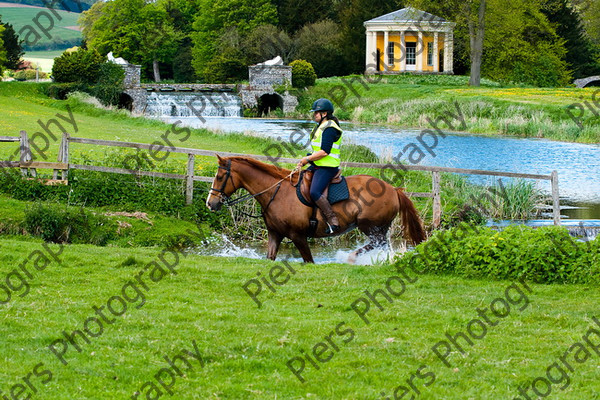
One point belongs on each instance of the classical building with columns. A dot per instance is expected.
(409, 40)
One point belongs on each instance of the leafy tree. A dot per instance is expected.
(138, 31)
(218, 24)
(295, 14)
(13, 46)
(581, 55)
(266, 42)
(326, 56)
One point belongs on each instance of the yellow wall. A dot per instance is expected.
(395, 37)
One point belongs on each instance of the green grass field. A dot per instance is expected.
(245, 349)
(20, 17)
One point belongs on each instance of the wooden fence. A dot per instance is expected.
(62, 166)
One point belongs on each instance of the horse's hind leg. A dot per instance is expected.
(377, 238)
(274, 242)
(302, 244)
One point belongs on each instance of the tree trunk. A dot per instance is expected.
(156, 71)
(477, 34)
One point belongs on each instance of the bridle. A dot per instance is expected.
(223, 198)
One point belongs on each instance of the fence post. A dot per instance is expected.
(437, 200)
(555, 198)
(25, 156)
(65, 154)
(189, 180)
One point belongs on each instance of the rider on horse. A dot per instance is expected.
(326, 140)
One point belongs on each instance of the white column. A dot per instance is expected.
(447, 53)
(420, 52)
(386, 42)
(402, 52)
(368, 51)
(451, 53)
(436, 52)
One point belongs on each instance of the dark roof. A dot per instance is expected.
(408, 14)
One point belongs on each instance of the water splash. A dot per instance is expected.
(205, 104)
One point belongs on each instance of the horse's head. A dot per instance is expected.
(222, 186)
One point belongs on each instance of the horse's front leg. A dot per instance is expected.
(274, 242)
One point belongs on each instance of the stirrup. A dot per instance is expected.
(331, 229)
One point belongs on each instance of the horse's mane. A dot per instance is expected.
(272, 170)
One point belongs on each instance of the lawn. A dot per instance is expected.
(20, 17)
(245, 349)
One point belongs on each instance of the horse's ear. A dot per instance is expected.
(219, 157)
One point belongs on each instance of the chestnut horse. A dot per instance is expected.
(372, 206)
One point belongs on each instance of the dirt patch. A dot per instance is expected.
(139, 215)
(73, 28)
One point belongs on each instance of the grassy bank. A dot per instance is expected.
(408, 100)
(245, 349)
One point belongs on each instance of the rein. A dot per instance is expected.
(228, 202)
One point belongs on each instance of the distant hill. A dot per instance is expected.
(63, 34)
(66, 5)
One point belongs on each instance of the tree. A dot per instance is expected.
(138, 31)
(295, 14)
(326, 56)
(477, 34)
(581, 55)
(13, 46)
(217, 23)
(266, 42)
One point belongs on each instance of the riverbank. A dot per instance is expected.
(408, 101)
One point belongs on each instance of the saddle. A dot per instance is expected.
(336, 191)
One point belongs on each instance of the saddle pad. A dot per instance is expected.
(336, 192)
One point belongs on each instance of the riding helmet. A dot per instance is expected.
(322, 105)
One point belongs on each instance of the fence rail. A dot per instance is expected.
(62, 166)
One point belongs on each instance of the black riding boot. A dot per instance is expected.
(333, 225)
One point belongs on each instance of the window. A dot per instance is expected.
(390, 60)
(411, 53)
(430, 54)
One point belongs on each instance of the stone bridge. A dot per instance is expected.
(260, 95)
(581, 83)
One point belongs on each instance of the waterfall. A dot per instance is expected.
(190, 104)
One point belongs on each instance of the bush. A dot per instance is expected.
(543, 255)
(67, 225)
(77, 66)
(303, 74)
(60, 91)
(109, 86)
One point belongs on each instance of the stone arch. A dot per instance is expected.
(269, 102)
(126, 101)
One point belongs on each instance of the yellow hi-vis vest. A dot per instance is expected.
(333, 158)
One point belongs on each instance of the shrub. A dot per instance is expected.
(109, 86)
(321, 45)
(60, 91)
(67, 225)
(543, 255)
(303, 74)
(77, 66)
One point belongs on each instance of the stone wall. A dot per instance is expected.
(132, 75)
(270, 75)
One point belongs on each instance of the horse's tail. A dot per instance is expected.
(410, 218)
